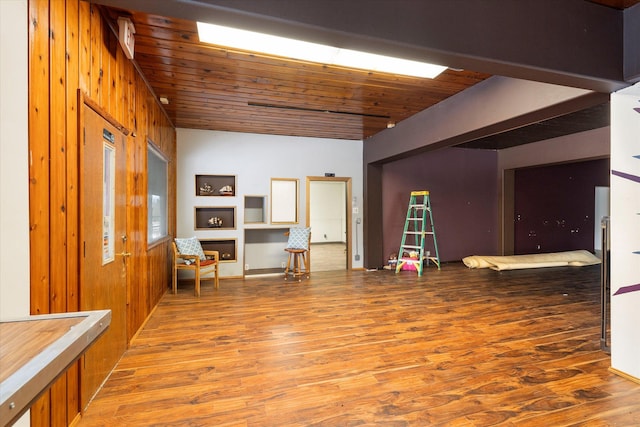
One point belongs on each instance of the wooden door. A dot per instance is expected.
(103, 266)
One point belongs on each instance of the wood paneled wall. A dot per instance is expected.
(72, 47)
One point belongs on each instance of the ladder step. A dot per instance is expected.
(410, 247)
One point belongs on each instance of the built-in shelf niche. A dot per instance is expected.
(211, 185)
(203, 214)
(227, 248)
(255, 209)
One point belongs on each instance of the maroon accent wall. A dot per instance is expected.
(554, 206)
(464, 200)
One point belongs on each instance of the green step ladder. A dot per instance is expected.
(418, 227)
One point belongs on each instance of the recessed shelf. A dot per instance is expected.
(215, 218)
(215, 185)
(227, 248)
(254, 209)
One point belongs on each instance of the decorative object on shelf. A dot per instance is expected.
(215, 185)
(206, 189)
(215, 222)
(208, 217)
(227, 190)
(227, 248)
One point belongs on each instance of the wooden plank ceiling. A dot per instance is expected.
(217, 88)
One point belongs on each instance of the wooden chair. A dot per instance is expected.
(196, 265)
(298, 248)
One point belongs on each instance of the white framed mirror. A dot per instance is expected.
(284, 200)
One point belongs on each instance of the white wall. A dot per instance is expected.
(625, 231)
(14, 165)
(255, 159)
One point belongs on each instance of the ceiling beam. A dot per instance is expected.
(467, 117)
(571, 42)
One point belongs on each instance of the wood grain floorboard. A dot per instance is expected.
(328, 256)
(455, 347)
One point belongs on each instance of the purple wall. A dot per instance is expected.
(464, 200)
(555, 206)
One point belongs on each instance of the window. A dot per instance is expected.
(157, 212)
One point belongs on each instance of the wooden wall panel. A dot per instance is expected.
(95, 52)
(172, 206)
(122, 91)
(39, 174)
(137, 244)
(39, 154)
(72, 173)
(112, 89)
(138, 221)
(151, 126)
(84, 33)
(57, 158)
(72, 47)
(72, 152)
(57, 187)
(157, 270)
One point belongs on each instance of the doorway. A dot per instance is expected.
(329, 216)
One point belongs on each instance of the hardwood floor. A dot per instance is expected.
(328, 256)
(456, 347)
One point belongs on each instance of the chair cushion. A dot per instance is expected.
(190, 246)
(299, 238)
(207, 262)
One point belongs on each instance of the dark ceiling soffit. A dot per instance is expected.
(580, 121)
(555, 111)
(511, 45)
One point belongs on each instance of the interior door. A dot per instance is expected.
(103, 266)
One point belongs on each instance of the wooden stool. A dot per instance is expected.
(297, 264)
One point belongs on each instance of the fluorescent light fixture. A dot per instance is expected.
(313, 52)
